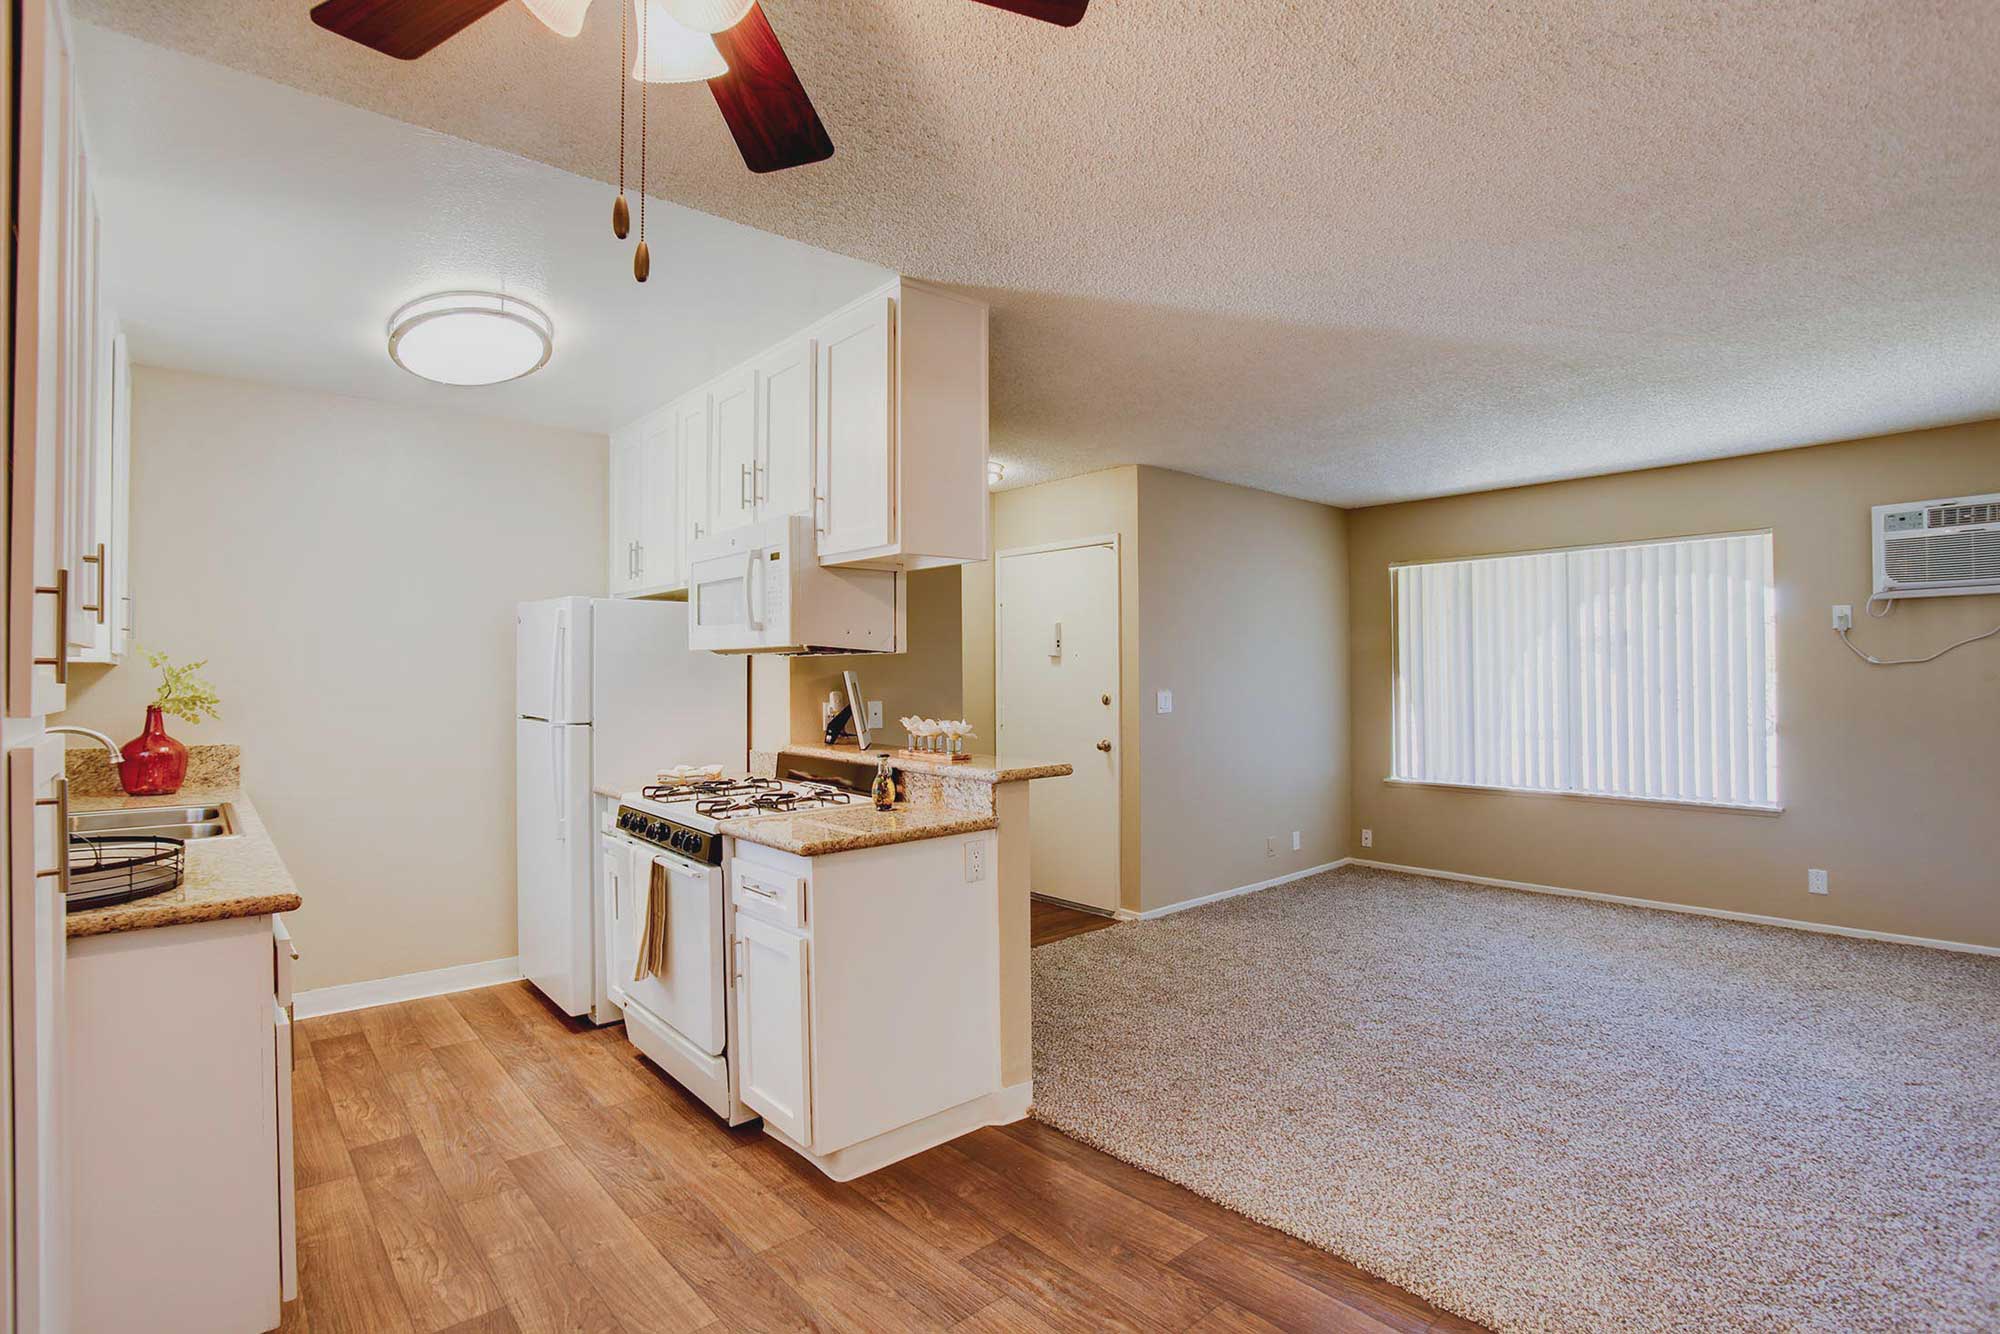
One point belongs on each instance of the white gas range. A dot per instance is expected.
(684, 1017)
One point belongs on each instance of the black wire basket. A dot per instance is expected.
(117, 869)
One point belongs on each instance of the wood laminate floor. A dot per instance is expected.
(481, 1165)
(1050, 922)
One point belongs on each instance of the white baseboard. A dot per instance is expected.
(410, 986)
(1823, 928)
(1152, 913)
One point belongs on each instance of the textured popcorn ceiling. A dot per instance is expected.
(1348, 251)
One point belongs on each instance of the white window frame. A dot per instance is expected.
(1773, 807)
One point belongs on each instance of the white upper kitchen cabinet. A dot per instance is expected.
(739, 473)
(785, 425)
(628, 498)
(902, 431)
(873, 421)
(692, 420)
(660, 542)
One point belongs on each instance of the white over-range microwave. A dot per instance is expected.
(761, 589)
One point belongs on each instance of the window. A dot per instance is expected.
(1645, 671)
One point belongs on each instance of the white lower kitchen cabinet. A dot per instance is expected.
(868, 999)
(179, 1128)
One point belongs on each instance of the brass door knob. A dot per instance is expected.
(1104, 746)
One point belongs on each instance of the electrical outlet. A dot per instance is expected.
(1843, 616)
(874, 714)
(1271, 846)
(975, 861)
(1368, 838)
(1295, 840)
(1816, 883)
(1164, 702)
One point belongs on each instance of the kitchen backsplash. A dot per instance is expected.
(210, 767)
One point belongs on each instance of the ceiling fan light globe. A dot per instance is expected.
(673, 53)
(564, 18)
(709, 15)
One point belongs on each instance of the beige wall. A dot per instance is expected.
(1890, 777)
(1243, 615)
(1236, 601)
(924, 679)
(350, 570)
(1094, 505)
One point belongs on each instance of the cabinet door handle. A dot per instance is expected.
(742, 486)
(736, 957)
(60, 591)
(61, 802)
(639, 560)
(759, 491)
(102, 578)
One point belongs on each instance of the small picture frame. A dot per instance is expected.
(858, 707)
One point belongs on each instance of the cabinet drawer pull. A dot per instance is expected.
(60, 592)
(102, 578)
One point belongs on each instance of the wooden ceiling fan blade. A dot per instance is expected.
(1062, 13)
(404, 29)
(763, 101)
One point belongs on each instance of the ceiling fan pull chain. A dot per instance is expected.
(642, 258)
(621, 214)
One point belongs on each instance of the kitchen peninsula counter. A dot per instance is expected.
(827, 830)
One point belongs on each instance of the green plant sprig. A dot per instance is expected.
(183, 691)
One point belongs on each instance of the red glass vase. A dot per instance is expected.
(155, 763)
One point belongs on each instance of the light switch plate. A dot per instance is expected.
(874, 714)
(1164, 702)
(1816, 882)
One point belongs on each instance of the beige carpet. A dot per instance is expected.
(1552, 1114)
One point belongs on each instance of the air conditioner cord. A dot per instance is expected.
(1874, 661)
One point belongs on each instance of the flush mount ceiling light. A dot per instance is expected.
(995, 470)
(470, 338)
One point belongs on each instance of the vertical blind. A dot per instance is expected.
(1647, 670)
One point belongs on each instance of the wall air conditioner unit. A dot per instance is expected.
(1938, 548)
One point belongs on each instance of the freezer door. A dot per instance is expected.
(552, 660)
(657, 703)
(554, 847)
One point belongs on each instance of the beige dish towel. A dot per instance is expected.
(651, 956)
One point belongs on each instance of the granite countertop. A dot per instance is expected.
(241, 876)
(978, 769)
(817, 833)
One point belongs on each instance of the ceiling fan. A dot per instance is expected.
(760, 95)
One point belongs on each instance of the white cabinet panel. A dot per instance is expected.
(856, 440)
(774, 1075)
(785, 429)
(739, 473)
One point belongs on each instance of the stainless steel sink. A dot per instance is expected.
(182, 822)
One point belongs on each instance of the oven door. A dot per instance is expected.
(689, 997)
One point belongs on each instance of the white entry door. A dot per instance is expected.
(1056, 692)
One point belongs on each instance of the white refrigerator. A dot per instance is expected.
(607, 693)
